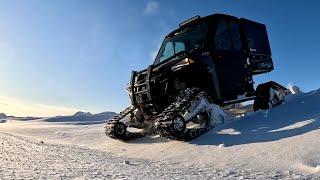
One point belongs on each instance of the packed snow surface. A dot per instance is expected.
(280, 143)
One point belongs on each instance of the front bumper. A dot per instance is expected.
(139, 87)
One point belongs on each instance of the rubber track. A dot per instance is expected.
(182, 103)
(110, 127)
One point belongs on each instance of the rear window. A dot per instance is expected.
(257, 37)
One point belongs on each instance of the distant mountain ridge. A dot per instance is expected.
(80, 113)
(83, 118)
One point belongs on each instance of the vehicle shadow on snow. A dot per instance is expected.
(296, 117)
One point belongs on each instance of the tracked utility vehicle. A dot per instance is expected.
(205, 64)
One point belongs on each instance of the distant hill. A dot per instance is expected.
(3, 116)
(80, 113)
(83, 118)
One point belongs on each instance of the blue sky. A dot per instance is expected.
(62, 56)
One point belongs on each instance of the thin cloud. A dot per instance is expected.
(151, 8)
(12, 106)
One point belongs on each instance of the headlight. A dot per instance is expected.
(182, 63)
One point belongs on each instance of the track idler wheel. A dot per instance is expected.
(178, 124)
(120, 129)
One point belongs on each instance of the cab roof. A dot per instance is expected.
(197, 19)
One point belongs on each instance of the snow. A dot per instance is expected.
(221, 146)
(280, 143)
(294, 89)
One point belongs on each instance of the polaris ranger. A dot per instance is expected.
(205, 64)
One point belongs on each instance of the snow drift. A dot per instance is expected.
(294, 89)
(299, 114)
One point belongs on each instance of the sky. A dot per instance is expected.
(58, 57)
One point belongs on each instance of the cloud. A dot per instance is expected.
(151, 8)
(12, 106)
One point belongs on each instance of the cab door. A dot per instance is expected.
(229, 57)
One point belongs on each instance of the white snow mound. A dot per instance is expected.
(294, 89)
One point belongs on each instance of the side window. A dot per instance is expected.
(222, 39)
(168, 51)
(235, 36)
(179, 46)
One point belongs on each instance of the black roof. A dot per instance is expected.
(201, 19)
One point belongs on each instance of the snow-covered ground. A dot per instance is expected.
(276, 144)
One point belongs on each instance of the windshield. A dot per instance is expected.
(187, 39)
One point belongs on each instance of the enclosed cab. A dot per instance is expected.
(219, 53)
